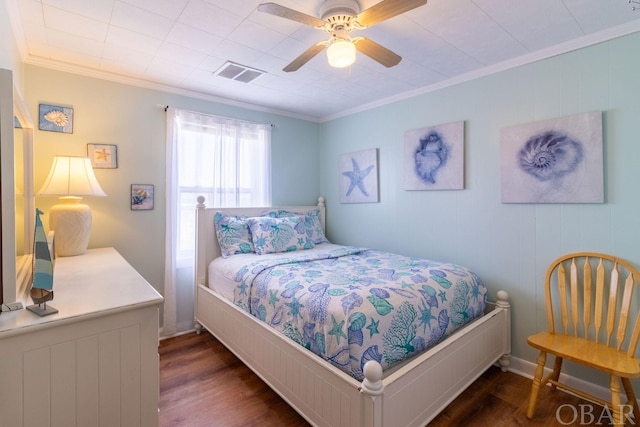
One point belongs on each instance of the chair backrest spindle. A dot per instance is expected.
(613, 298)
(586, 274)
(562, 289)
(625, 309)
(599, 299)
(574, 296)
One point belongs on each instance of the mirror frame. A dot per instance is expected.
(15, 272)
(24, 261)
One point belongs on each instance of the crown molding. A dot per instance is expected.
(579, 43)
(162, 87)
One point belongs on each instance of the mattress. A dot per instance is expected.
(350, 305)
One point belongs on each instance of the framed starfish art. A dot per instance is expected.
(103, 156)
(359, 177)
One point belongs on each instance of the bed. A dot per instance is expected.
(354, 390)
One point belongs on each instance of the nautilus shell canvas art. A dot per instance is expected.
(553, 161)
(434, 157)
(55, 118)
(358, 179)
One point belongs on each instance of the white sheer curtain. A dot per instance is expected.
(226, 160)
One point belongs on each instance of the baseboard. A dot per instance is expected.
(162, 336)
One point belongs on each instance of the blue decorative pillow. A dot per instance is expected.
(233, 234)
(312, 223)
(278, 234)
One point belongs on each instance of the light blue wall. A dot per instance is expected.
(508, 245)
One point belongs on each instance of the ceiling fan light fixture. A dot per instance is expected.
(341, 53)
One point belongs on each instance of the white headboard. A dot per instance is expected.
(207, 248)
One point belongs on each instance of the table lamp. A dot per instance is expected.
(71, 178)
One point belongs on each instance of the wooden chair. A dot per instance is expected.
(594, 321)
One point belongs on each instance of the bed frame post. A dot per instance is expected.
(322, 207)
(372, 387)
(503, 302)
(200, 256)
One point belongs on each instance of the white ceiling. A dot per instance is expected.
(177, 45)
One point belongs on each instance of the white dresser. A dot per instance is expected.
(95, 362)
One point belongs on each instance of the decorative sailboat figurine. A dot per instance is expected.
(42, 286)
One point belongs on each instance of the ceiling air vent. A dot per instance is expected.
(241, 73)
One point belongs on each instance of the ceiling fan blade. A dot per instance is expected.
(386, 9)
(306, 56)
(377, 52)
(294, 15)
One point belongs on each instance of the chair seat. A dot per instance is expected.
(589, 353)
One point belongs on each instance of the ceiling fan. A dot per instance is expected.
(339, 18)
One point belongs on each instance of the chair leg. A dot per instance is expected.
(535, 384)
(555, 375)
(631, 398)
(616, 409)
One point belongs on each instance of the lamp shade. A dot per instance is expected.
(341, 53)
(71, 176)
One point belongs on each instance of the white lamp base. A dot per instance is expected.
(71, 221)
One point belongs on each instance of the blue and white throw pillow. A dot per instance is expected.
(272, 235)
(312, 222)
(233, 234)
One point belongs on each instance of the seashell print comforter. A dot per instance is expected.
(350, 305)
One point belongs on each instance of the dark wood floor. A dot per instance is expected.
(203, 384)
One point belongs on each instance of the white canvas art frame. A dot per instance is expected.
(434, 157)
(554, 161)
(358, 177)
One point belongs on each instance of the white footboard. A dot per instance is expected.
(421, 389)
(321, 393)
(325, 396)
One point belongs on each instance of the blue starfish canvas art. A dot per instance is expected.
(359, 177)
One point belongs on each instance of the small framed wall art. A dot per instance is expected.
(55, 118)
(103, 156)
(141, 197)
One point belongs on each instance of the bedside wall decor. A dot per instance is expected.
(434, 157)
(553, 161)
(55, 118)
(358, 180)
(141, 197)
(103, 156)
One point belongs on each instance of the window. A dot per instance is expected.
(225, 160)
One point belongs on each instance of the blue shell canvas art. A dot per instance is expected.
(553, 161)
(434, 157)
